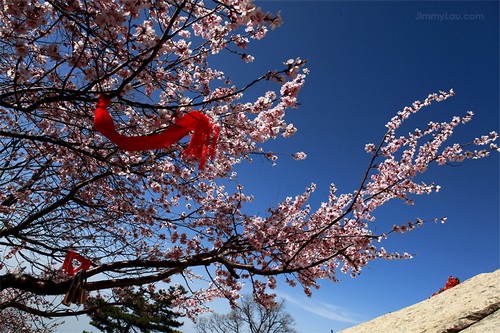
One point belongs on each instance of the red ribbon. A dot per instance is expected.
(201, 146)
(68, 263)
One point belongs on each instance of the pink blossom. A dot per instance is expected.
(370, 148)
(299, 156)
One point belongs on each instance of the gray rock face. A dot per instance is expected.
(470, 307)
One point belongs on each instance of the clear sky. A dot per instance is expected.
(367, 61)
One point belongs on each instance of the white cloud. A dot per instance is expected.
(323, 309)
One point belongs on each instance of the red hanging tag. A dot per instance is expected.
(71, 257)
(202, 143)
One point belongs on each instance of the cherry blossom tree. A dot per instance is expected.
(146, 217)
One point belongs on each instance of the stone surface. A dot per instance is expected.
(470, 307)
(490, 324)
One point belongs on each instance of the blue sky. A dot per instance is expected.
(367, 61)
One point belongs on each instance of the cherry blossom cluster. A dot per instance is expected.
(15, 319)
(71, 189)
(409, 226)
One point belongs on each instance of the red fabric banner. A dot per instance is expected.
(201, 146)
(69, 260)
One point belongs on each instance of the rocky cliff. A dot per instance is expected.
(470, 307)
